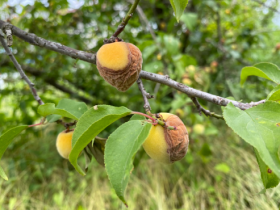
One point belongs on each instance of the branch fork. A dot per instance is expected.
(145, 95)
(21, 72)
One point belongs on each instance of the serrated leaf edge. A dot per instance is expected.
(123, 200)
(238, 134)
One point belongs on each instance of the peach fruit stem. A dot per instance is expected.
(163, 124)
(145, 115)
(41, 123)
(172, 128)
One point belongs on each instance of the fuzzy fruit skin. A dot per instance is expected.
(64, 143)
(167, 146)
(122, 68)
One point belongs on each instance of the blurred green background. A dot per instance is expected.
(205, 50)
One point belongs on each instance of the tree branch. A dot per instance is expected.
(126, 19)
(144, 75)
(191, 92)
(145, 95)
(219, 27)
(145, 19)
(54, 46)
(66, 90)
(22, 74)
(206, 112)
(8, 31)
(53, 83)
(269, 7)
(223, 50)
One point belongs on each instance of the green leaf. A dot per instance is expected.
(6, 139)
(179, 7)
(120, 151)
(137, 117)
(265, 70)
(274, 95)
(269, 178)
(258, 126)
(90, 125)
(8, 136)
(53, 117)
(2, 174)
(66, 108)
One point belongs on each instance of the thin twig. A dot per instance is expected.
(219, 27)
(8, 31)
(126, 19)
(223, 50)
(191, 92)
(144, 75)
(206, 112)
(22, 74)
(145, 19)
(145, 95)
(55, 84)
(54, 46)
(156, 89)
(267, 6)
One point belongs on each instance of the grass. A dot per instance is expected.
(42, 180)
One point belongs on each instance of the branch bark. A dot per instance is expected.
(191, 92)
(22, 74)
(206, 112)
(145, 95)
(53, 83)
(126, 19)
(144, 75)
(54, 46)
(145, 19)
(267, 6)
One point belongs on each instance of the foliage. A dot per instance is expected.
(258, 126)
(90, 125)
(179, 7)
(205, 49)
(120, 151)
(39, 178)
(65, 108)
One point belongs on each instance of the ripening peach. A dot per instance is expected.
(64, 143)
(119, 63)
(164, 145)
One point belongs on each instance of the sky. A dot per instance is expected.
(75, 4)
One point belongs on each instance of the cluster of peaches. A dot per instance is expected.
(120, 63)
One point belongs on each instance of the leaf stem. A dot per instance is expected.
(41, 123)
(155, 122)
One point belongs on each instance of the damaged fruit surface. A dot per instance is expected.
(167, 146)
(119, 63)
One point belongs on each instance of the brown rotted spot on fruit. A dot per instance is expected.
(123, 79)
(177, 140)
